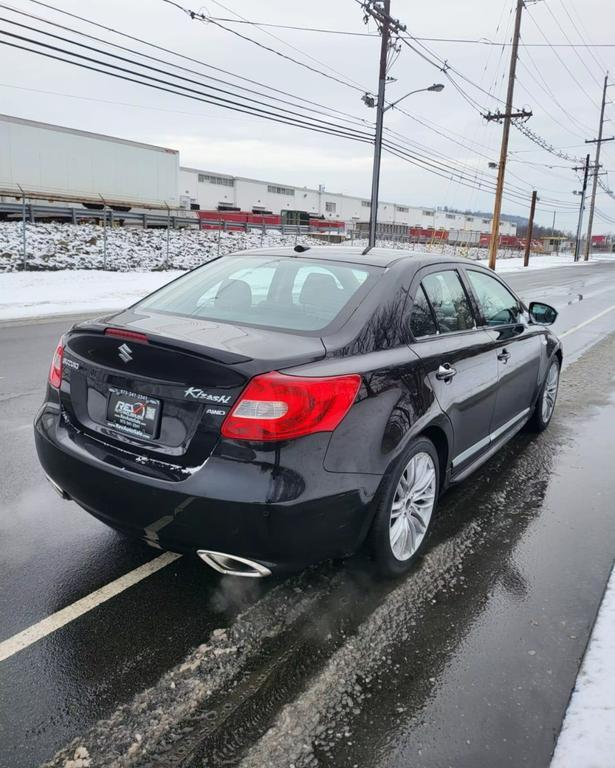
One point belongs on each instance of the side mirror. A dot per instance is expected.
(542, 314)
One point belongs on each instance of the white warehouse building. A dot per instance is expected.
(53, 165)
(215, 191)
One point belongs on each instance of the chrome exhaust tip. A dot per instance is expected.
(57, 489)
(233, 565)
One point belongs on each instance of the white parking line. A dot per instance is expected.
(587, 322)
(46, 626)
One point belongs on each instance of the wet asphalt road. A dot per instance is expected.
(468, 661)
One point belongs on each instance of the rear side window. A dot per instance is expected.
(497, 304)
(271, 291)
(449, 301)
(421, 319)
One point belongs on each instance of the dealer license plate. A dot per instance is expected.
(133, 414)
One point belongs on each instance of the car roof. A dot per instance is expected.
(376, 257)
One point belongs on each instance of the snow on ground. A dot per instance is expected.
(51, 246)
(537, 261)
(65, 263)
(587, 738)
(40, 294)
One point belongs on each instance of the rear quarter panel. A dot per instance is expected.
(395, 404)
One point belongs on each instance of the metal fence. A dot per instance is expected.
(31, 213)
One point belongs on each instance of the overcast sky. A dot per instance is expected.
(565, 112)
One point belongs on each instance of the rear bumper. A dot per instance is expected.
(267, 512)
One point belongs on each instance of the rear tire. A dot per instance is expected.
(405, 509)
(545, 405)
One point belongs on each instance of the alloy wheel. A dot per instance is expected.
(550, 392)
(412, 506)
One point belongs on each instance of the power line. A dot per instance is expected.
(433, 162)
(157, 85)
(536, 100)
(586, 45)
(544, 144)
(562, 62)
(215, 89)
(464, 168)
(601, 215)
(444, 66)
(350, 33)
(114, 102)
(578, 55)
(157, 47)
(433, 168)
(605, 188)
(546, 88)
(350, 118)
(457, 178)
(287, 44)
(197, 16)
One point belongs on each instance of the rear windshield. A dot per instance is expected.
(272, 291)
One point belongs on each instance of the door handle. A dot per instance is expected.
(446, 372)
(504, 356)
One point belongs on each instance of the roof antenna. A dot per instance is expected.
(301, 248)
(367, 250)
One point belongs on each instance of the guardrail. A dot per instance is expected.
(108, 216)
(36, 211)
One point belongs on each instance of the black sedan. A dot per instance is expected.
(274, 408)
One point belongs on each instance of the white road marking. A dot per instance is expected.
(46, 626)
(587, 322)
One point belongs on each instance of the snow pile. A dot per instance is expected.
(52, 246)
(587, 738)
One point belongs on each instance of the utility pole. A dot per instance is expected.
(385, 32)
(380, 10)
(506, 117)
(530, 229)
(577, 244)
(598, 143)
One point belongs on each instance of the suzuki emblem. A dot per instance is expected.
(125, 353)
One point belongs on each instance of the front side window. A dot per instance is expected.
(270, 291)
(497, 304)
(449, 301)
(421, 319)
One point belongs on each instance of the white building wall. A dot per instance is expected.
(215, 189)
(54, 163)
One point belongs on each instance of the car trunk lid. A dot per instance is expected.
(158, 387)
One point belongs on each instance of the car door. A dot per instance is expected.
(517, 348)
(459, 362)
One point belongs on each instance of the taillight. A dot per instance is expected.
(55, 372)
(275, 406)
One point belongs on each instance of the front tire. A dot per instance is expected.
(405, 509)
(545, 405)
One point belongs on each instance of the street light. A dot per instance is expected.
(368, 100)
(436, 88)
